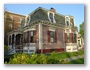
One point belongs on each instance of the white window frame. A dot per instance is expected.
(53, 16)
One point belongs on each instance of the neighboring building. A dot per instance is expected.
(44, 31)
(16, 18)
(80, 42)
(12, 21)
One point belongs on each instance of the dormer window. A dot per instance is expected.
(67, 21)
(71, 22)
(27, 20)
(51, 17)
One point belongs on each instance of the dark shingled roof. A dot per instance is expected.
(41, 14)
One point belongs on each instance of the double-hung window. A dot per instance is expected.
(52, 36)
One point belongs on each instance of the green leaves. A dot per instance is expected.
(33, 59)
(82, 29)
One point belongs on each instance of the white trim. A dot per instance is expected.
(27, 22)
(51, 29)
(32, 29)
(53, 16)
(29, 19)
(68, 20)
(71, 48)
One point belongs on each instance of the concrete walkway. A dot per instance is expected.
(74, 58)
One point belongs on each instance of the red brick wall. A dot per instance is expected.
(50, 50)
(60, 39)
(16, 20)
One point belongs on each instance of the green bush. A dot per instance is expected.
(34, 59)
(5, 47)
(63, 61)
(18, 59)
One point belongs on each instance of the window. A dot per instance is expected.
(20, 19)
(31, 36)
(11, 17)
(74, 38)
(10, 25)
(68, 37)
(51, 17)
(51, 36)
(27, 20)
(78, 42)
(67, 21)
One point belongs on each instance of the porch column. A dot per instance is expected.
(8, 41)
(14, 41)
(40, 37)
(11, 40)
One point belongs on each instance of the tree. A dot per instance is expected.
(8, 26)
(82, 29)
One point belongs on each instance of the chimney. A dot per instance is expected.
(52, 10)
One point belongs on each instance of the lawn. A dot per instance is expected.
(78, 61)
(54, 55)
(64, 55)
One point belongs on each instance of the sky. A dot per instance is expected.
(75, 10)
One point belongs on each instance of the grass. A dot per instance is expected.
(61, 55)
(64, 55)
(78, 61)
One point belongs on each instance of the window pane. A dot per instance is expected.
(52, 39)
(32, 33)
(51, 17)
(51, 36)
(31, 39)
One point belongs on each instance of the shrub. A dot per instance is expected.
(42, 59)
(18, 59)
(5, 47)
(63, 61)
(35, 59)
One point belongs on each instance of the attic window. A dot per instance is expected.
(27, 20)
(67, 21)
(51, 17)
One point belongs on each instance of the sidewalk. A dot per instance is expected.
(74, 58)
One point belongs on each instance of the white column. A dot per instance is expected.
(40, 36)
(69, 21)
(8, 41)
(11, 40)
(14, 40)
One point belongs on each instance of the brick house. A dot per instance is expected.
(14, 21)
(44, 31)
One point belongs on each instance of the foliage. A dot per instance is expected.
(33, 59)
(5, 47)
(7, 28)
(82, 29)
(53, 58)
(64, 61)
